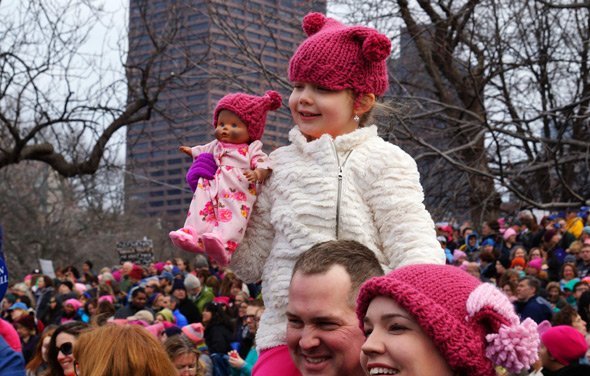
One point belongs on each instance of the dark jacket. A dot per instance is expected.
(218, 338)
(536, 308)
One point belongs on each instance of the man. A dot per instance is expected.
(529, 304)
(198, 294)
(583, 264)
(323, 333)
(138, 302)
(561, 347)
(166, 280)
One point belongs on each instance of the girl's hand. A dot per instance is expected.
(235, 360)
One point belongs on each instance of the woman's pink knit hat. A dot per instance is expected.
(472, 324)
(250, 109)
(340, 57)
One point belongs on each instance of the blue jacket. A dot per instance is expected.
(537, 308)
(11, 362)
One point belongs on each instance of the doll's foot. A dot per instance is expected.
(215, 248)
(185, 239)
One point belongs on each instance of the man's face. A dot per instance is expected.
(139, 300)
(323, 334)
(524, 291)
(580, 289)
(585, 254)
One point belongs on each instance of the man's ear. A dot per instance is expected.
(365, 104)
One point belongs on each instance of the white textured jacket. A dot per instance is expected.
(358, 185)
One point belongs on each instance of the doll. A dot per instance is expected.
(220, 208)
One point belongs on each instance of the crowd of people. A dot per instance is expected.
(205, 318)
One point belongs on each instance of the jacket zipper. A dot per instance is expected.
(340, 177)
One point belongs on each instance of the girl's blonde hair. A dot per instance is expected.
(180, 345)
(121, 350)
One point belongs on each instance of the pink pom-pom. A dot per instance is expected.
(514, 347)
(376, 47)
(275, 99)
(313, 22)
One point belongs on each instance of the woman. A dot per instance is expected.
(121, 350)
(60, 357)
(567, 273)
(38, 364)
(554, 296)
(218, 337)
(185, 356)
(438, 320)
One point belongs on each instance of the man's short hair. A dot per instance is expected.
(533, 282)
(359, 262)
(581, 283)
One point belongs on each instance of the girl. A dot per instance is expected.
(222, 203)
(438, 320)
(336, 180)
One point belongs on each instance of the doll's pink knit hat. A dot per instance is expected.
(472, 324)
(250, 109)
(339, 57)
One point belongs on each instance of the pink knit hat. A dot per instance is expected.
(564, 343)
(250, 109)
(340, 57)
(472, 324)
(194, 332)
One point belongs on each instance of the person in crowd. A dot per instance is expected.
(195, 333)
(65, 291)
(508, 287)
(53, 313)
(60, 357)
(583, 265)
(554, 296)
(570, 317)
(438, 320)
(70, 311)
(166, 282)
(197, 293)
(561, 348)
(184, 356)
(121, 350)
(567, 273)
(529, 303)
(322, 332)
(43, 295)
(243, 365)
(38, 364)
(218, 337)
(237, 312)
(138, 302)
(11, 361)
(27, 331)
(185, 306)
(337, 74)
(584, 308)
(173, 303)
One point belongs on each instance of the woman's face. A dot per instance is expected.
(206, 316)
(553, 294)
(568, 272)
(186, 364)
(507, 290)
(535, 253)
(396, 344)
(64, 343)
(520, 253)
(242, 309)
(40, 283)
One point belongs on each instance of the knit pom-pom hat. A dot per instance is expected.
(472, 324)
(340, 57)
(250, 109)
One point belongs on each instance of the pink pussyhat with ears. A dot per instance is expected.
(472, 324)
(338, 57)
(250, 109)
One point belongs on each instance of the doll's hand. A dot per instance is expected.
(204, 167)
(251, 175)
(186, 150)
(259, 175)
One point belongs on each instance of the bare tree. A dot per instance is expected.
(59, 103)
(498, 92)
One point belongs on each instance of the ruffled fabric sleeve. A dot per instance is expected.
(258, 159)
(395, 197)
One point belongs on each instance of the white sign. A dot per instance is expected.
(47, 268)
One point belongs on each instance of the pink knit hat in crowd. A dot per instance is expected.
(340, 57)
(564, 343)
(472, 324)
(250, 109)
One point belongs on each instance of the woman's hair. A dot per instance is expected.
(74, 328)
(218, 315)
(213, 282)
(176, 346)
(47, 279)
(121, 350)
(226, 284)
(572, 266)
(565, 316)
(104, 311)
(37, 358)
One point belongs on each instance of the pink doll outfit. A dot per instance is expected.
(221, 207)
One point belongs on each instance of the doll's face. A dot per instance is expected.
(231, 129)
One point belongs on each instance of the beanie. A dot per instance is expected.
(194, 332)
(191, 282)
(564, 343)
(341, 57)
(472, 324)
(518, 261)
(536, 263)
(167, 315)
(508, 233)
(250, 109)
(75, 303)
(178, 284)
(136, 272)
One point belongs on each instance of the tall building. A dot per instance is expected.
(216, 47)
